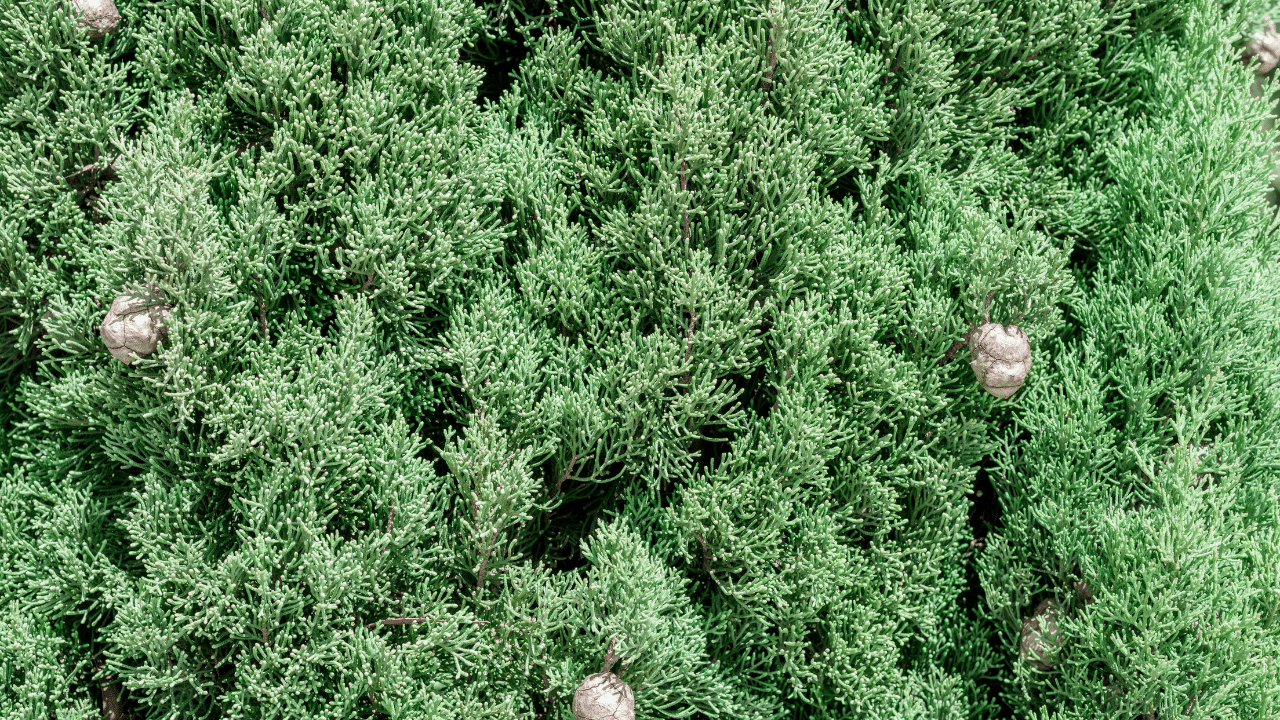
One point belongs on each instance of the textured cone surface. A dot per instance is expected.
(98, 17)
(132, 327)
(1082, 592)
(1265, 46)
(604, 696)
(1001, 358)
(1040, 635)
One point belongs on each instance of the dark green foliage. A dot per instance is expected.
(505, 330)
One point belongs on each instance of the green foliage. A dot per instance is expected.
(507, 332)
(36, 672)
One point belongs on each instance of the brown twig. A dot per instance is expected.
(546, 682)
(609, 658)
(568, 471)
(955, 346)
(91, 168)
(766, 83)
(111, 709)
(684, 188)
(488, 550)
(706, 556)
(400, 621)
(391, 515)
(415, 621)
(688, 348)
(367, 280)
(986, 308)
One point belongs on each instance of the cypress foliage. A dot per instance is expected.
(512, 339)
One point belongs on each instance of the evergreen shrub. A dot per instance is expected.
(506, 339)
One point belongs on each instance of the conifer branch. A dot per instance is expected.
(766, 83)
(688, 348)
(400, 621)
(986, 308)
(609, 657)
(955, 346)
(706, 558)
(684, 188)
(415, 621)
(488, 550)
(262, 310)
(785, 380)
(104, 169)
(572, 461)
(546, 682)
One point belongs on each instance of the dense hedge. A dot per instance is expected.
(543, 325)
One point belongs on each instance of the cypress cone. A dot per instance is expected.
(1040, 635)
(604, 696)
(1001, 358)
(133, 327)
(98, 17)
(1265, 46)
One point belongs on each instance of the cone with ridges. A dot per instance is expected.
(1040, 636)
(1265, 46)
(604, 696)
(98, 17)
(1001, 358)
(133, 326)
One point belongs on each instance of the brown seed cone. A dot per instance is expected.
(98, 17)
(1040, 636)
(1001, 358)
(1265, 46)
(132, 327)
(604, 696)
(1082, 592)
